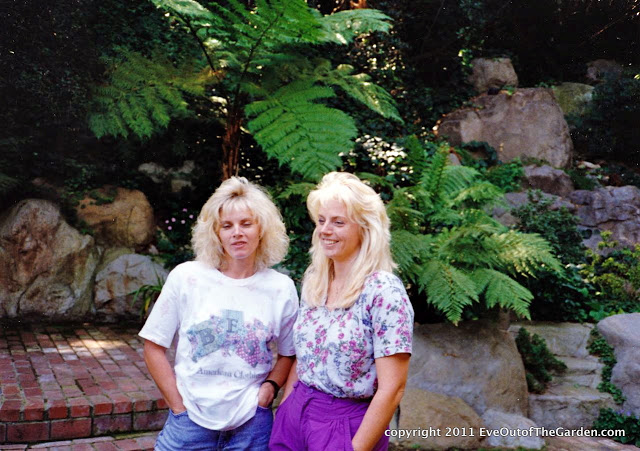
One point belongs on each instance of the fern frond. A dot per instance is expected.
(524, 253)
(449, 289)
(478, 195)
(297, 189)
(500, 289)
(142, 96)
(344, 26)
(401, 213)
(455, 179)
(408, 249)
(431, 179)
(308, 136)
(375, 180)
(360, 88)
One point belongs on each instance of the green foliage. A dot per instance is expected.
(147, 294)
(538, 361)
(507, 176)
(599, 347)
(142, 95)
(610, 419)
(174, 237)
(616, 276)
(611, 126)
(450, 248)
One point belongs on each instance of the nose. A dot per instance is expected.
(237, 230)
(324, 228)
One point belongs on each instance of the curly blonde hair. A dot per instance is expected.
(365, 208)
(238, 192)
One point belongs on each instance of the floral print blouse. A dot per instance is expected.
(336, 349)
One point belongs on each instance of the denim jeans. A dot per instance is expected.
(179, 433)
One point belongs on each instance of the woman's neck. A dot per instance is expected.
(238, 269)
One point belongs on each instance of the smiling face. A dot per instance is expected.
(239, 234)
(339, 236)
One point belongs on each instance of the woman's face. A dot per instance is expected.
(339, 236)
(239, 234)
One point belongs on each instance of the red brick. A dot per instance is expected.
(108, 424)
(121, 403)
(10, 411)
(10, 389)
(161, 404)
(27, 432)
(3, 432)
(81, 447)
(101, 405)
(61, 429)
(146, 442)
(80, 407)
(31, 392)
(34, 410)
(56, 409)
(105, 446)
(149, 421)
(127, 445)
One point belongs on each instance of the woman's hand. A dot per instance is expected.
(266, 394)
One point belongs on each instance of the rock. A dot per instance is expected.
(547, 179)
(527, 124)
(121, 277)
(622, 332)
(432, 416)
(46, 266)
(600, 69)
(492, 73)
(519, 431)
(127, 221)
(563, 339)
(502, 213)
(157, 173)
(573, 98)
(473, 361)
(612, 208)
(585, 371)
(567, 406)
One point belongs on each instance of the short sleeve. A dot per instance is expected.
(289, 315)
(164, 319)
(391, 319)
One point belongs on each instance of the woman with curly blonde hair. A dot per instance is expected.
(227, 307)
(353, 334)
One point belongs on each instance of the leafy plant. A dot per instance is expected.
(538, 361)
(610, 419)
(147, 294)
(263, 67)
(616, 277)
(447, 245)
(599, 347)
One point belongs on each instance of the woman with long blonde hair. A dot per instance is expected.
(227, 307)
(353, 334)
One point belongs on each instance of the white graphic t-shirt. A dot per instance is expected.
(224, 329)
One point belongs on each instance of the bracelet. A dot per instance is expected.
(274, 384)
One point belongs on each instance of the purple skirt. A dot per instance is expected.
(315, 421)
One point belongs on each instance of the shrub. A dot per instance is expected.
(599, 347)
(610, 419)
(538, 361)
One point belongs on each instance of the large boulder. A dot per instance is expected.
(438, 421)
(46, 266)
(622, 332)
(475, 361)
(119, 278)
(526, 124)
(547, 179)
(573, 98)
(492, 73)
(125, 219)
(513, 431)
(612, 208)
(599, 70)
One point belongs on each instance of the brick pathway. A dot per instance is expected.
(69, 382)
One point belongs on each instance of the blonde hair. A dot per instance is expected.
(238, 192)
(365, 208)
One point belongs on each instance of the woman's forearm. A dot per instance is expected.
(279, 375)
(163, 375)
(291, 380)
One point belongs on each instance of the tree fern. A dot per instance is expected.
(307, 136)
(344, 26)
(500, 289)
(142, 96)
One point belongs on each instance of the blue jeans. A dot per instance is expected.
(179, 433)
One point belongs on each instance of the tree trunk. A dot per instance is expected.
(231, 144)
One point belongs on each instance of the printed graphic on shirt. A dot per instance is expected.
(231, 335)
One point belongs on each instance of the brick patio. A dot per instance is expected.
(73, 382)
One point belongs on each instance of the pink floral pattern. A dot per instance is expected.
(336, 349)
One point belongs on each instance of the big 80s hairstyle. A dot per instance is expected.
(365, 208)
(238, 192)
